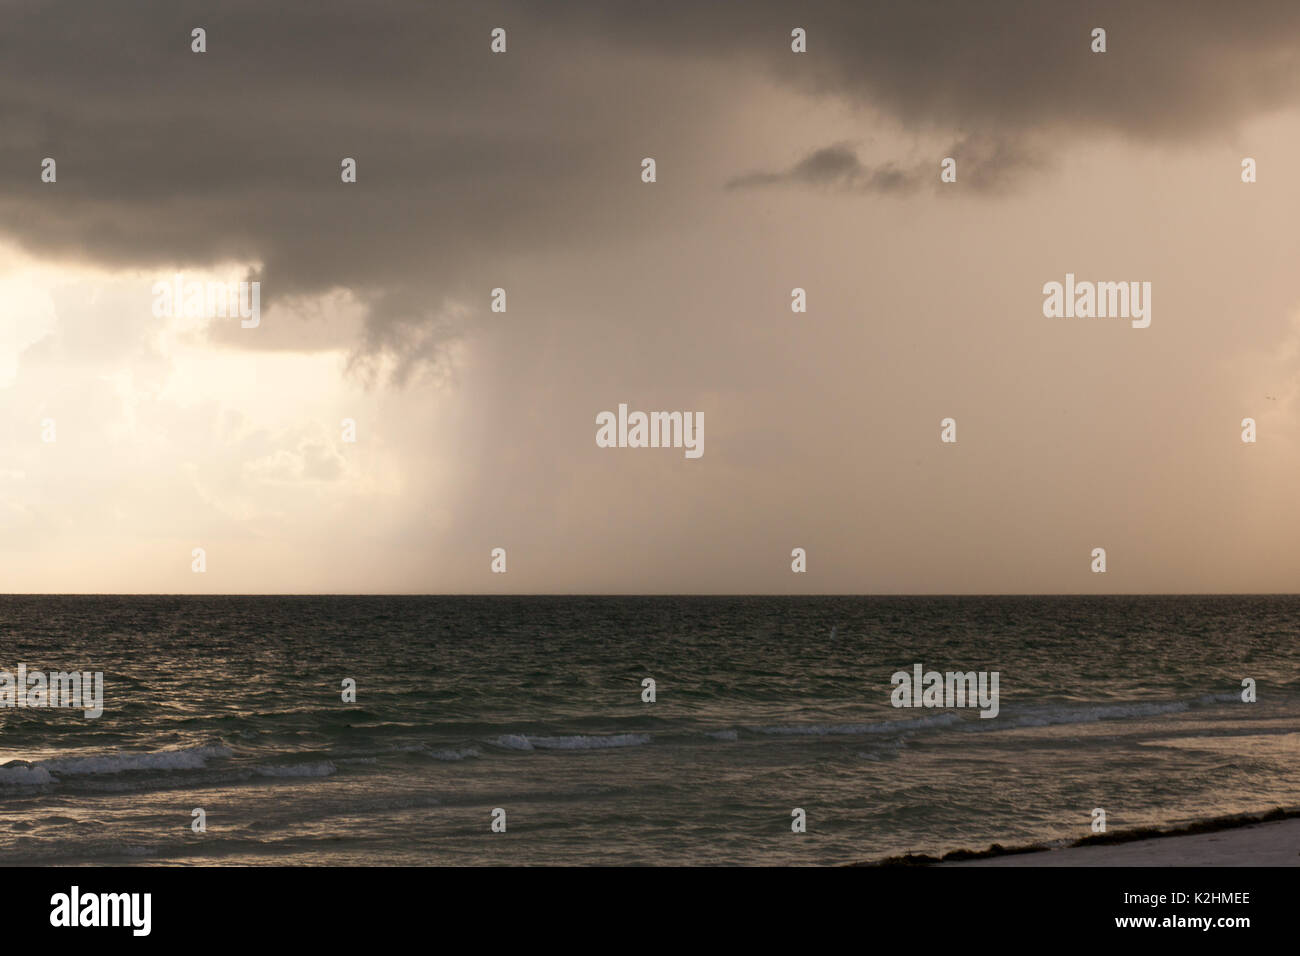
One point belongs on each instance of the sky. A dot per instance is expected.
(522, 170)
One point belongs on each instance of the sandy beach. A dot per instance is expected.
(1275, 843)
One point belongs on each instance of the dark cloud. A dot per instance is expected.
(836, 167)
(984, 164)
(468, 161)
(832, 166)
(1173, 68)
(994, 163)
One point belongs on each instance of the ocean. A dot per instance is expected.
(534, 706)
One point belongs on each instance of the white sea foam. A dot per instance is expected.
(460, 753)
(1232, 697)
(1090, 713)
(189, 758)
(581, 742)
(575, 742)
(322, 769)
(23, 776)
(879, 727)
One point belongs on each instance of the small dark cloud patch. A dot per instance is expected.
(984, 165)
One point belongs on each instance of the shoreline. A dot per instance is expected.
(1200, 843)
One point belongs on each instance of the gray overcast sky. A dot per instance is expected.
(522, 170)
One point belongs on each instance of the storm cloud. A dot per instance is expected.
(466, 159)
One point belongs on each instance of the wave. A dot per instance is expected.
(460, 753)
(1091, 713)
(858, 729)
(186, 758)
(22, 773)
(1231, 697)
(322, 769)
(19, 774)
(1044, 715)
(575, 742)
